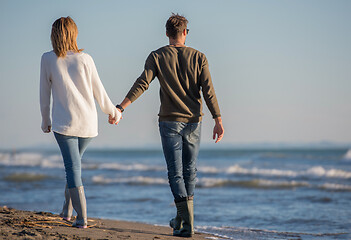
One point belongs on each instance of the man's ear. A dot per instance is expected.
(167, 34)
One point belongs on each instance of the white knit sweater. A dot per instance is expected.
(74, 83)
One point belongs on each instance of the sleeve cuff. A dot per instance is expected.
(216, 116)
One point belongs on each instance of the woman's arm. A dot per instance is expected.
(101, 96)
(45, 96)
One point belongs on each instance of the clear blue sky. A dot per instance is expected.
(281, 69)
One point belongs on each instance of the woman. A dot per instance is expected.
(72, 78)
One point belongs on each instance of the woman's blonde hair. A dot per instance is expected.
(64, 34)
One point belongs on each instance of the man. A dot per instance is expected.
(182, 72)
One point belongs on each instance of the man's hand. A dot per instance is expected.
(218, 129)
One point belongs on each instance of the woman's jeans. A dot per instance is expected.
(72, 149)
(181, 142)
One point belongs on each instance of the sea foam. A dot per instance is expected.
(55, 161)
(317, 171)
(348, 155)
(137, 180)
(254, 183)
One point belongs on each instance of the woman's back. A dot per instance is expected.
(74, 82)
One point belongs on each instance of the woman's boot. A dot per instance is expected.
(176, 223)
(79, 204)
(186, 212)
(67, 208)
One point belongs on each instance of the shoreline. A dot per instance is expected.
(20, 224)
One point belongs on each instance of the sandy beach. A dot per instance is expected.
(18, 224)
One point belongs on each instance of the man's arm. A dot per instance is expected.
(211, 100)
(140, 85)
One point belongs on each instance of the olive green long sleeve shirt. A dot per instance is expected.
(183, 73)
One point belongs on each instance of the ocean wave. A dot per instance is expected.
(223, 182)
(31, 160)
(130, 167)
(335, 187)
(55, 161)
(137, 180)
(317, 171)
(209, 169)
(236, 169)
(347, 155)
(263, 234)
(254, 183)
(25, 177)
(203, 182)
(331, 173)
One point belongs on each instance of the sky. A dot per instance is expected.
(281, 69)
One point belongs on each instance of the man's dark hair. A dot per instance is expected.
(175, 25)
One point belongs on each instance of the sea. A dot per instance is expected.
(290, 193)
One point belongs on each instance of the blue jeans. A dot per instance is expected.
(181, 142)
(72, 149)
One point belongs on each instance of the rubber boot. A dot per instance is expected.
(185, 209)
(67, 208)
(176, 223)
(80, 206)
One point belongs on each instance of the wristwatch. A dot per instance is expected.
(120, 107)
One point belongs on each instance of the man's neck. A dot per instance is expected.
(176, 42)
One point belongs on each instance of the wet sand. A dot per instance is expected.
(18, 224)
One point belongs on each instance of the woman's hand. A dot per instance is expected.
(48, 129)
(116, 119)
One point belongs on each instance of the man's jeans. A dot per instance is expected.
(72, 150)
(181, 142)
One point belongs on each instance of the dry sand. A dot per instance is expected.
(17, 224)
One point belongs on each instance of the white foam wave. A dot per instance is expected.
(202, 182)
(257, 171)
(338, 187)
(263, 234)
(332, 173)
(348, 155)
(221, 182)
(55, 161)
(254, 183)
(130, 167)
(137, 180)
(208, 169)
(317, 171)
(31, 160)
(25, 177)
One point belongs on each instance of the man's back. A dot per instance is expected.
(182, 72)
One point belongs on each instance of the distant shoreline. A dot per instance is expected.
(204, 147)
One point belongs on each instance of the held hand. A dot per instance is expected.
(218, 130)
(118, 115)
(116, 119)
(112, 120)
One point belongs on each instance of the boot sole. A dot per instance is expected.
(183, 235)
(80, 226)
